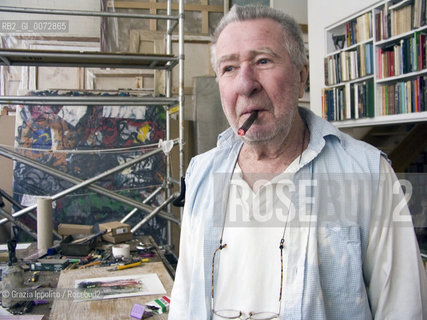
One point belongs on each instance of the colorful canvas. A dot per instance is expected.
(85, 141)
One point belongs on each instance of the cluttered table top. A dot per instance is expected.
(103, 307)
(126, 280)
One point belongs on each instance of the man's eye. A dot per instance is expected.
(263, 61)
(227, 69)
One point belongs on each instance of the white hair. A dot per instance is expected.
(292, 34)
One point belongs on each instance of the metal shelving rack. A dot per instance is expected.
(17, 57)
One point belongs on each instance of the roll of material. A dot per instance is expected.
(44, 223)
(121, 250)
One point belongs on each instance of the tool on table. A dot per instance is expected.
(90, 264)
(128, 265)
(35, 276)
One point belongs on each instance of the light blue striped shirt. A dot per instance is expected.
(355, 260)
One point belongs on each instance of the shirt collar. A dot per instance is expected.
(320, 129)
(228, 138)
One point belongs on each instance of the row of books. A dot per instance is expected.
(399, 18)
(349, 65)
(404, 97)
(419, 17)
(409, 55)
(359, 29)
(350, 101)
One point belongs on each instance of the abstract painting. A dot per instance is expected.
(85, 141)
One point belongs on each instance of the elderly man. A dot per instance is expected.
(288, 218)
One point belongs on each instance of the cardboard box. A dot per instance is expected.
(117, 238)
(68, 248)
(115, 227)
(66, 229)
(116, 231)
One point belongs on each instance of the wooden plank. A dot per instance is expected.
(153, 23)
(153, 42)
(203, 8)
(162, 6)
(187, 90)
(67, 309)
(191, 38)
(205, 18)
(134, 41)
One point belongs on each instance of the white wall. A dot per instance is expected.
(295, 8)
(322, 14)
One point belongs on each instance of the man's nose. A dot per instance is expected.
(247, 81)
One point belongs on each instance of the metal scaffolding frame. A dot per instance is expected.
(11, 57)
(79, 183)
(88, 101)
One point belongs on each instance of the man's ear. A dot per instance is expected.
(303, 76)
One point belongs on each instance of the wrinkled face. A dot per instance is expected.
(255, 72)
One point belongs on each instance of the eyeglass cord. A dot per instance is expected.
(282, 240)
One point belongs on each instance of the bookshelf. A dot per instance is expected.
(375, 66)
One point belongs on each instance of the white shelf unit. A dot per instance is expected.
(369, 25)
(382, 120)
(167, 61)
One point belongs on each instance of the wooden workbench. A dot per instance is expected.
(111, 309)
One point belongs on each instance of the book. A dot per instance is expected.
(348, 100)
(370, 99)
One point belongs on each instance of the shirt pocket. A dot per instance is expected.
(340, 261)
